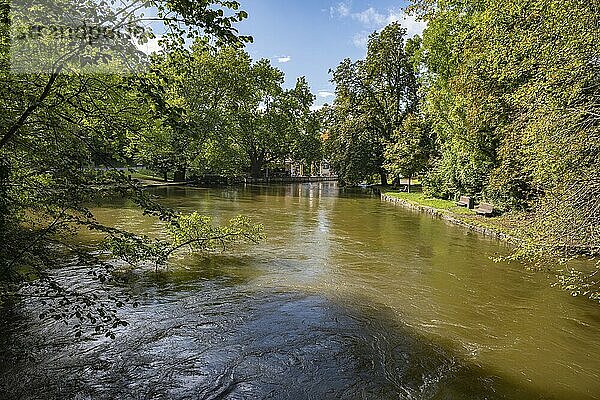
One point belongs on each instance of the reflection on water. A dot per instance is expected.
(348, 298)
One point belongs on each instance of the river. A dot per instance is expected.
(347, 298)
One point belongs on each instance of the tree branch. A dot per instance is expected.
(21, 121)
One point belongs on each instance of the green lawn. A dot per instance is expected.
(146, 174)
(422, 200)
(510, 223)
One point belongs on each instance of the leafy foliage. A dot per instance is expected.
(62, 133)
(227, 115)
(411, 148)
(373, 97)
(512, 91)
(193, 231)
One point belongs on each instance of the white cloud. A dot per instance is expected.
(341, 9)
(374, 20)
(151, 46)
(409, 22)
(325, 93)
(361, 39)
(315, 107)
(370, 17)
(284, 59)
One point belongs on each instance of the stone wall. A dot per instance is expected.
(448, 216)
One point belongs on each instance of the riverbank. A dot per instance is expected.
(290, 179)
(505, 227)
(150, 181)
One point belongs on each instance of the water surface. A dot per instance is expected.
(348, 297)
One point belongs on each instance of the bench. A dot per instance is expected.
(485, 209)
(466, 201)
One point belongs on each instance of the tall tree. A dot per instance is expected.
(512, 90)
(377, 93)
(60, 120)
(190, 91)
(268, 122)
(225, 114)
(411, 148)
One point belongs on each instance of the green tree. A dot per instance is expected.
(511, 90)
(411, 148)
(303, 124)
(268, 123)
(464, 106)
(352, 149)
(56, 125)
(374, 94)
(187, 89)
(224, 114)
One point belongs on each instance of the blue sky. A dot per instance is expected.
(307, 38)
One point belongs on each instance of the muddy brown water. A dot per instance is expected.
(348, 298)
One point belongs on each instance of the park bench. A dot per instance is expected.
(466, 201)
(485, 209)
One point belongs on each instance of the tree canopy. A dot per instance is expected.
(373, 97)
(64, 129)
(227, 115)
(499, 101)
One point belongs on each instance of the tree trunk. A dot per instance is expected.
(255, 169)
(408, 188)
(179, 175)
(384, 178)
(4, 177)
(165, 176)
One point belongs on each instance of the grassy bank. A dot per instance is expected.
(421, 200)
(506, 225)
